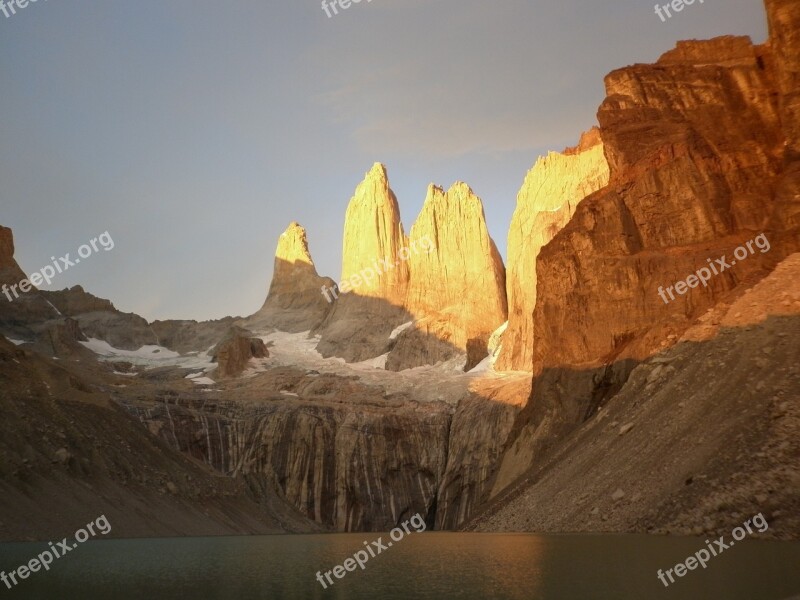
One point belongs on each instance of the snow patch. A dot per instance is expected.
(149, 356)
(398, 330)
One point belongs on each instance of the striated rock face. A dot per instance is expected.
(339, 452)
(295, 301)
(694, 144)
(371, 304)
(234, 352)
(551, 192)
(783, 17)
(480, 426)
(456, 290)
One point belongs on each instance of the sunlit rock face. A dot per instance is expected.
(373, 232)
(295, 301)
(456, 291)
(546, 202)
(695, 147)
(372, 291)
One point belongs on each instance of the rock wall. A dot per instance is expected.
(551, 192)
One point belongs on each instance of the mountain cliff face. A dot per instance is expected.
(694, 144)
(549, 196)
(456, 290)
(295, 301)
(338, 451)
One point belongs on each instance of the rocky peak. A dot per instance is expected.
(456, 289)
(372, 232)
(727, 51)
(295, 301)
(10, 272)
(292, 257)
(6, 247)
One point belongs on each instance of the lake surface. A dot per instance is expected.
(428, 565)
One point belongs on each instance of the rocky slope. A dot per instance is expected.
(68, 454)
(701, 437)
(456, 289)
(551, 192)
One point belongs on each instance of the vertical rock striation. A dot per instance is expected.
(546, 202)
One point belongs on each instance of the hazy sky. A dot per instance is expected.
(194, 131)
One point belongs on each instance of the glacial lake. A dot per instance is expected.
(434, 565)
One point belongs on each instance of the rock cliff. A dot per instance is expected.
(694, 144)
(456, 290)
(546, 202)
(339, 451)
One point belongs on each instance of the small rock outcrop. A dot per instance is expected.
(295, 301)
(551, 192)
(234, 352)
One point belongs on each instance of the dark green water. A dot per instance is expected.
(428, 565)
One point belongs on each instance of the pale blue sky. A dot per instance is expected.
(194, 131)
